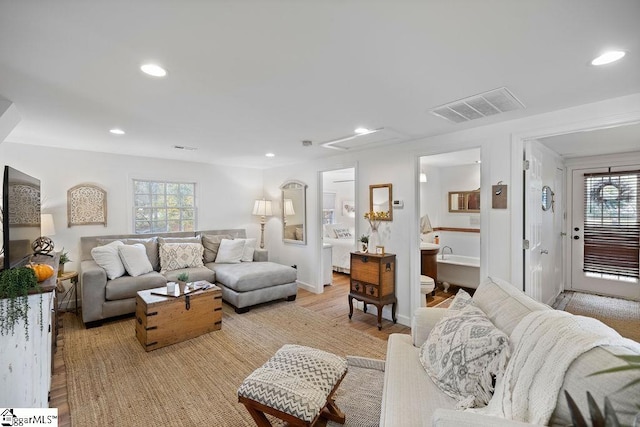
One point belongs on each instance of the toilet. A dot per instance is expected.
(427, 285)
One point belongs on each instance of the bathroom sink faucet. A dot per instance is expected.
(444, 249)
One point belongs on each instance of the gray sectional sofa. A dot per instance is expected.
(243, 285)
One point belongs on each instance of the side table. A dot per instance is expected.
(73, 290)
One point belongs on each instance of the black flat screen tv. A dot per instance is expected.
(20, 216)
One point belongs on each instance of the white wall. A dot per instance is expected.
(501, 232)
(224, 198)
(226, 194)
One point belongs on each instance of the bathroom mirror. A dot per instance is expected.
(380, 199)
(464, 201)
(294, 207)
(547, 198)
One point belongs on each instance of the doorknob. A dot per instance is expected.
(576, 237)
(544, 251)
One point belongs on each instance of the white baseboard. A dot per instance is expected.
(307, 287)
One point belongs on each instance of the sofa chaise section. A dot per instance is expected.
(246, 284)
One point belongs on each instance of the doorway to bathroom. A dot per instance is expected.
(338, 216)
(450, 208)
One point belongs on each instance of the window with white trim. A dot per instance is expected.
(161, 206)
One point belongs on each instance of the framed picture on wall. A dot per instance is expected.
(349, 208)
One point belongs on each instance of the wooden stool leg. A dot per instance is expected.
(258, 416)
(332, 412)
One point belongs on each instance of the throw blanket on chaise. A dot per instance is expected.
(544, 344)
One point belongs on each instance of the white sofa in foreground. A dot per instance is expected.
(411, 398)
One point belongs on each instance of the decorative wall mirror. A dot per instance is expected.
(547, 198)
(294, 208)
(464, 201)
(381, 199)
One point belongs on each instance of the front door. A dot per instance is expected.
(605, 231)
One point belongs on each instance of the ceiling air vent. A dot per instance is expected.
(478, 106)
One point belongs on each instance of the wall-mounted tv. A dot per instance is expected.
(20, 216)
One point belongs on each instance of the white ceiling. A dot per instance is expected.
(620, 139)
(453, 158)
(250, 77)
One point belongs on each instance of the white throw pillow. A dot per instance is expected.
(174, 256)
(107, 257)
(463, 354)
(230, 251)
(135, 260)
(249, 248)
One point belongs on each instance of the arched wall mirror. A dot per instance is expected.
(294, 212)
(380, 199)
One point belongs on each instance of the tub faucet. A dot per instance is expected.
(444, 249)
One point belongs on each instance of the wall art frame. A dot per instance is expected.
(86, 205)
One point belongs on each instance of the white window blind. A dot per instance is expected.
(611, 223)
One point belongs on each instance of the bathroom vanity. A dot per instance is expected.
(428, 261)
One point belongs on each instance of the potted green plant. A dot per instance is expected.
(64, 258)
(182, 281)
(364, 239)
(606, 417)
(15, 284)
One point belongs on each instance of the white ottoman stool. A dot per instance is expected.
(427, 285)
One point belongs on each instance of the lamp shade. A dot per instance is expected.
(288, 207)
(262, 208)
(46, 225)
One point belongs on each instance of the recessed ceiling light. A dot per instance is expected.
(270, 155)
(116, 131)
(608, 57)
(362, 131)
(153, 70)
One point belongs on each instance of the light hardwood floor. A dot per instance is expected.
(332, 303)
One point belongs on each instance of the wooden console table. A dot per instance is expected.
(373, 281)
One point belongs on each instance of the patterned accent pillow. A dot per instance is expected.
(342, 233)
(180, 255)
(461, 300)
(463, 354)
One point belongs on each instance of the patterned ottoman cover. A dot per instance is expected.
(297, 381)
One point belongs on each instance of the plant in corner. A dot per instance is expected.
(15, 284)
(608, 418)
(64, 258)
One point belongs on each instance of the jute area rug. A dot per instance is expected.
(621, 315)
(113, 381)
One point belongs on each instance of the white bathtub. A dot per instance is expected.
(459, 270)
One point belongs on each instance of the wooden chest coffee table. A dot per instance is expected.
(165, 320)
